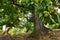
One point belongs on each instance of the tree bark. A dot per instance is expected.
(6, 31)
(39, 28)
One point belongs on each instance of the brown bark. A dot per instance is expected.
(39, 28)
(6, 31)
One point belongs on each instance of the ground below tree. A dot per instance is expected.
(51, 35)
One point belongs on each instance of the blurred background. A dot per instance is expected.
(20, 19)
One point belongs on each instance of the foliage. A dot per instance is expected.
(20, 17)
(17, 31)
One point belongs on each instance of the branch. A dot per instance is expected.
(20, 5)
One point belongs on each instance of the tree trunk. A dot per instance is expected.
(38, 27)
